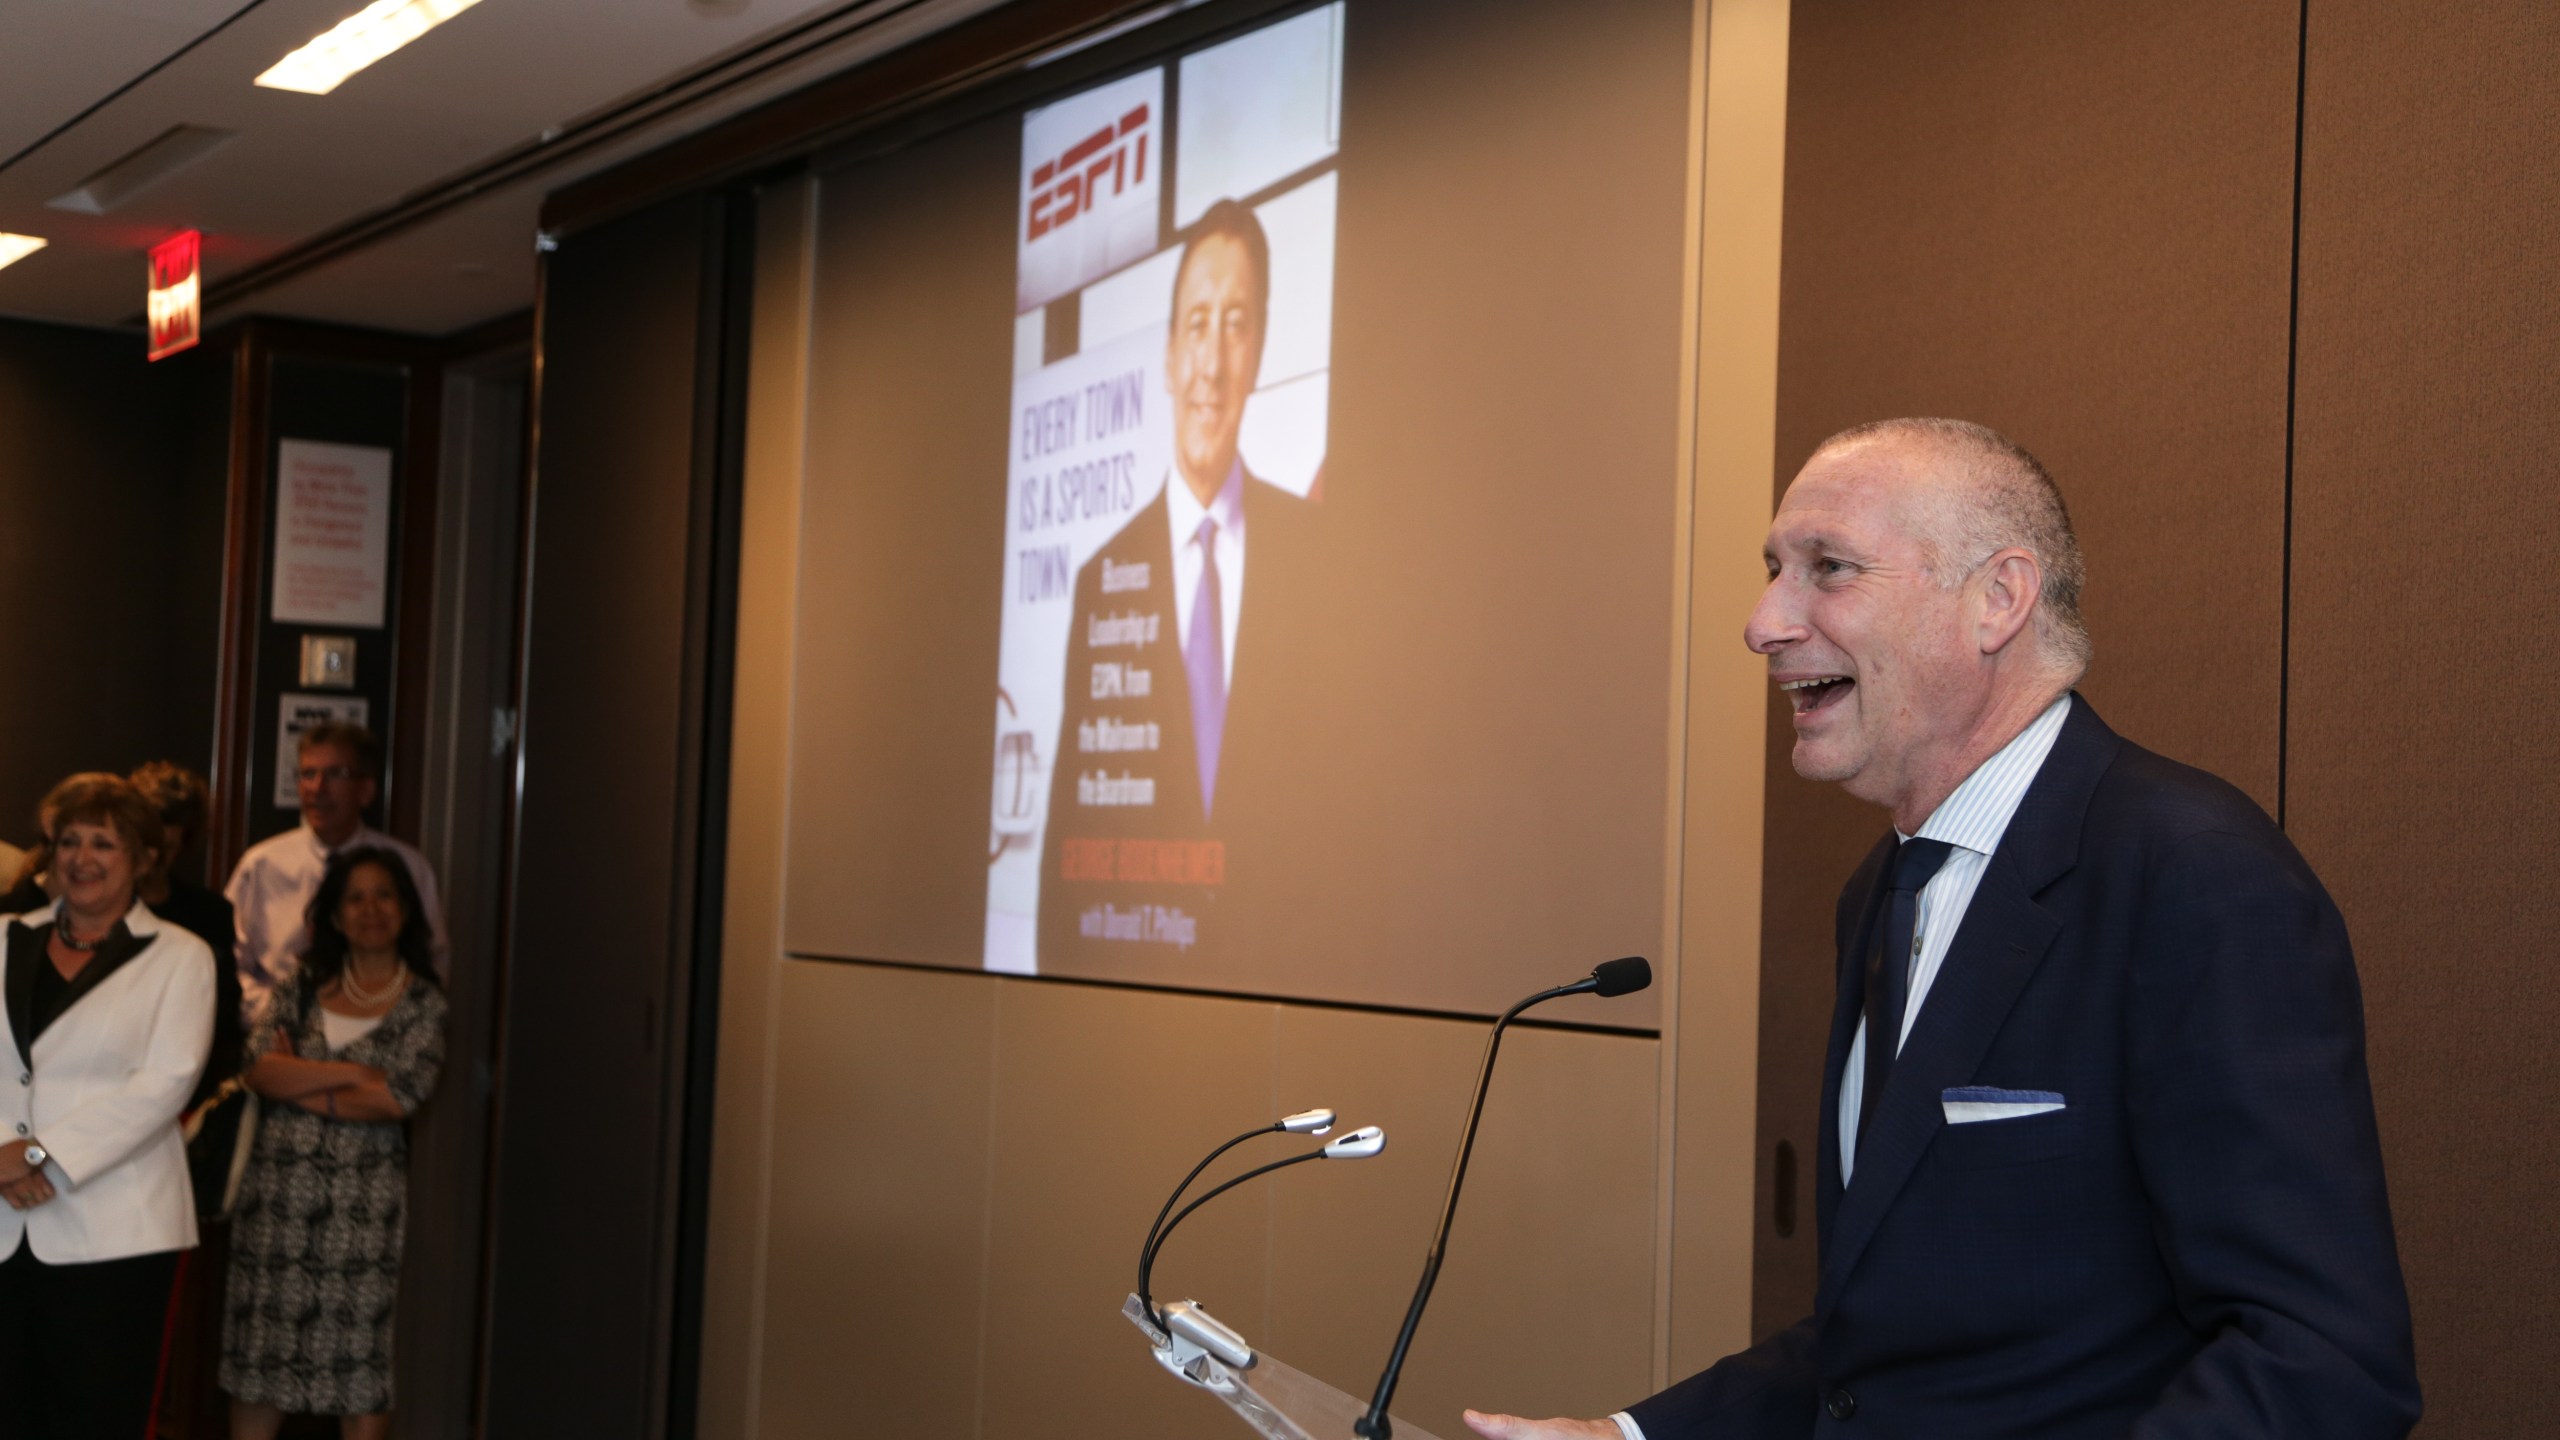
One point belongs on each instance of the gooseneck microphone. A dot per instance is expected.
(1612, 978)
(1306, 1122)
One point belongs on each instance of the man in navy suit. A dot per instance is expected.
(2119, 1173)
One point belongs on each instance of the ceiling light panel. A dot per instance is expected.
(14, 248)
(358, 41)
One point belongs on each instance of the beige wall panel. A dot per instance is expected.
(2425, 673)
(2073, 223)
(1103, 1098)
(880, 1189)
(1545, 1305)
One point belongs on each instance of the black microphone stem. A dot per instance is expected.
(1375, 1424)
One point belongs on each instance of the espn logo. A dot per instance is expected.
(1067, 187)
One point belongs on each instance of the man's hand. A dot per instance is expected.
(1512, 1427)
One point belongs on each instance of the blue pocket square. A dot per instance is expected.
(1972, 1104)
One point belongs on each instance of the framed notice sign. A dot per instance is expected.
(333, 534)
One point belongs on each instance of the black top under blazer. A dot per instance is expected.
(2198, 1245)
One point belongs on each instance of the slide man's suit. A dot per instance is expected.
(1121, 879)
(2196, 1244)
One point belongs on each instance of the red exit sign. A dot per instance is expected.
(176, 305)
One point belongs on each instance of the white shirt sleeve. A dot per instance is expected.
(1627, 1426)
(249, 922)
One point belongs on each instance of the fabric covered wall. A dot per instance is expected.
(2312, 492)
(111, 516)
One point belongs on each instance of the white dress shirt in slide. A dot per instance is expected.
(272, 888)
(1972, 820)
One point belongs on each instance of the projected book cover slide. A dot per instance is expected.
(1172, 345)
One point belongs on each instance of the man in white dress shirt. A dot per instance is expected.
(2100, 1155)
(340, 768)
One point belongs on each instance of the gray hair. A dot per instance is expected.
(2003, 497)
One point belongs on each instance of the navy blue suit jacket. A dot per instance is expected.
(2197, 1245)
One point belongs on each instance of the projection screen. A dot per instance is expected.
(1238, 531)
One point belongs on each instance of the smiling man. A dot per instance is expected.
(1165, 680)
(2098, 1153)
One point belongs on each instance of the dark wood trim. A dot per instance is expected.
(236, 666)
(255, 345)
(414, 619)
(807, 120)
(511, 830)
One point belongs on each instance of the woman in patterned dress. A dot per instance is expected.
(346, 1054)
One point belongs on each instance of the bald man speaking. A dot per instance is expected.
(2098, 1154)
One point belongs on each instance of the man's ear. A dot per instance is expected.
(2012, 582)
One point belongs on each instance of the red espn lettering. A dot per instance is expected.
(1109, 152)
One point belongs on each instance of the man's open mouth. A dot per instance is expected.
(1817, 692)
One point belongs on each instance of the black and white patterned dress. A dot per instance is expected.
(315, 1240)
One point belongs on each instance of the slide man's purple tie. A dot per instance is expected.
(1204, 656)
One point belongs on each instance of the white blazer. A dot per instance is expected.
(109, 1080)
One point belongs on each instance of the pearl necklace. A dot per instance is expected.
(74, 944)
(357, 995)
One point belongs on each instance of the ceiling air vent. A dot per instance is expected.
(180, 147)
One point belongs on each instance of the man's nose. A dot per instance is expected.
(1773, 621)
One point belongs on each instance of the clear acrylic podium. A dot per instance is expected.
(1279, 1402)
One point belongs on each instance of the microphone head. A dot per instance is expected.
(1360, 1144)
(1307, 1122)
(1621, 977)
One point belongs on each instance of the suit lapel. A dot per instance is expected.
(120, 946)
(1996, 950)
(25, 952)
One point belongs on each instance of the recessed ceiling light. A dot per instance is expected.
(358, 41)
(172, 151)
(14, 248)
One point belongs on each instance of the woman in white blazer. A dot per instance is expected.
(107, 1018)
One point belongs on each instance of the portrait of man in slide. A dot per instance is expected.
(1168, 762)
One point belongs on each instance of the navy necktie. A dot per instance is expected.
(1889, 968)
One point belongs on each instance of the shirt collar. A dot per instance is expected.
(1185, 509)
(362, 835)
(1978, 813)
